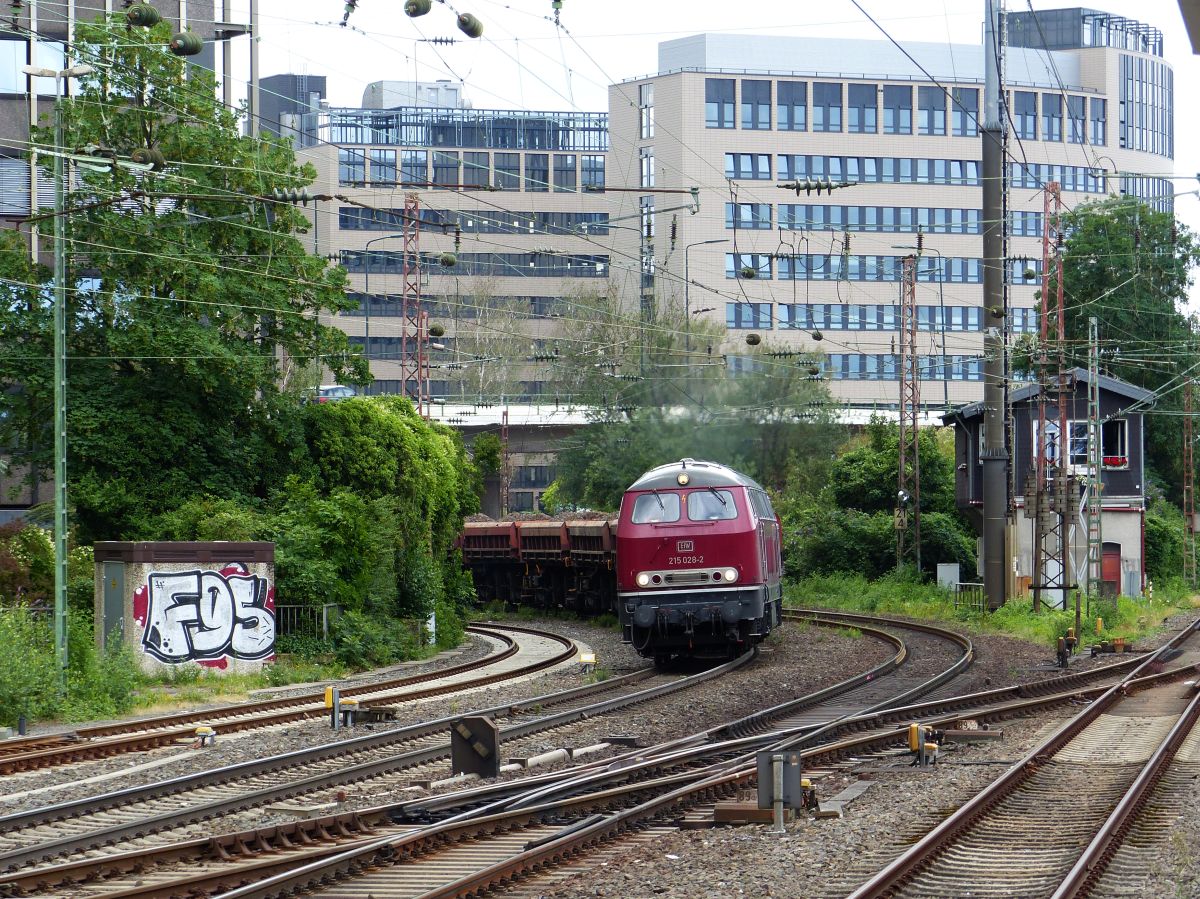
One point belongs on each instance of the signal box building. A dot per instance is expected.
(1122, 476)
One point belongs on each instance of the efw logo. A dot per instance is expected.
(685, 546)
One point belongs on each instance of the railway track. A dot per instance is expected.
(1080, 789)
(234, 859)
(544, 810)
(377, 762)
(104, 741)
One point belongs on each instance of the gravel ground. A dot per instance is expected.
(830, 857)
(716, 862)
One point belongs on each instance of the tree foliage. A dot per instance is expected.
(191, 304)
(771, 422)
(1130, 267)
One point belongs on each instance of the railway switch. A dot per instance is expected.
(475, 746)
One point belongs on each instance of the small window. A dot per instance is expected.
(711, 505)
(1114, 445)
(650, 508)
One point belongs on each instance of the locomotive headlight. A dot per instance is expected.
(643, 580)
(730, 574)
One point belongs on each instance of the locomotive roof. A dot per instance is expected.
(700, 474)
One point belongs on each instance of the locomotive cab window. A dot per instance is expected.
(650, 508)
(710, 505)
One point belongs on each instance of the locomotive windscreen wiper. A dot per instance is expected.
(717, 494)
(661, 505)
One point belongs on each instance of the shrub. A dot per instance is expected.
(365, 641)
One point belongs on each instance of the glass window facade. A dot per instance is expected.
(896, 219)
(1097, 122)
(878, 169)
(718, 102)
(1024, 114)
(748, 216)
(477, 170)
(862, 116)
(508, 171)
(1052, 117)
(748, 166)
(592, 172)
(1146, 106)
(520, 265)
(741, 316)
(537, 172)
(383, 166)
(827, 106)
(565, 172)
(502, 129)
(414, 166)
(897, 109)
(646, 111)
(445, 169)
(1076, 115)
(737, 265)
(931, 107)
(646, 164)
(792, 107)
(964, 111)
(756, 105)
(352, 166)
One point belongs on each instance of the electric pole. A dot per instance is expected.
(1189, 485)
(908, 493)
(995, 451)
(1095, 496)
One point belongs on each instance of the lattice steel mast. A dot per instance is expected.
(908, 494)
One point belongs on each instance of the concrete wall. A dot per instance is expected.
(209, 604)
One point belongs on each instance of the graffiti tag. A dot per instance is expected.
(205, 614)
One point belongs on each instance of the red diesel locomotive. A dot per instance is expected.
(691, 565)
(698, 561)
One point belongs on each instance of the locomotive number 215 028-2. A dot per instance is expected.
(685, 560)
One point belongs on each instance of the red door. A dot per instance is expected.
(1110, 567)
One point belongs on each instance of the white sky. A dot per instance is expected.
(523, 61)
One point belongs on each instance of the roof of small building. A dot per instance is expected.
(1029, 391)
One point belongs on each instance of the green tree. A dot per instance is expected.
(192, 304)
(1130, 267)
(866, 477)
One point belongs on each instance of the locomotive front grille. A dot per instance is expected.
(686, 577)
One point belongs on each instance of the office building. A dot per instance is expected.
(1088, 96)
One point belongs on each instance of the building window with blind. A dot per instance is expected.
(477, 171)
(748, 166)
(897, 109)
(1052, 117)
(352, 167)
(748, 216)
(537, 172)
(508, 171)
(592, 172)
(564, 172)
(931, 105)
(414, 166)
(1098, 130)
(1025, 114)
(965, 111)
(445, 170)
(756, 105)
(738, 265)
(827, 106)
(646, 155)
(748, 315)
(383, 166)
(718, 102)
(861, 114)
(792, 109)
(1075, 119)
(646, 111)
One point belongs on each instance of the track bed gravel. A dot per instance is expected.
(829, 857)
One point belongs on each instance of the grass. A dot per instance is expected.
(895, 595)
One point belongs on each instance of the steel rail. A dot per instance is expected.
(14, 859)
(1096, 856)
(895, 873)
(103, 741)
(560, 783)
